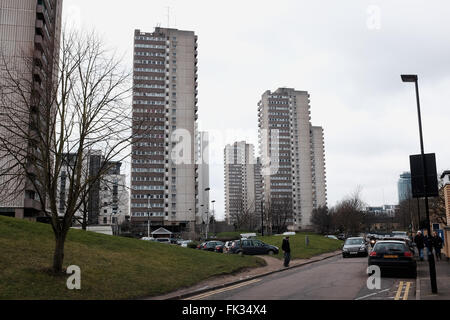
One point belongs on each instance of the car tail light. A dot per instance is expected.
(408, 254)
(373, 254)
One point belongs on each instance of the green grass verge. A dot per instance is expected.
(111, 267)
(318, 244)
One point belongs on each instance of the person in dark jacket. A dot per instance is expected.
(419, 240)
(287, 251)
(437, 245)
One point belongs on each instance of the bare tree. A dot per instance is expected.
(321, 219)
(80, 106)
(437, 206)
(243, 216)
(279, 213)
(348, 215)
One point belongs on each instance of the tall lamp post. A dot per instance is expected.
(207, 214)
(148, 215)
(214, 217)
(431, 263)
(203, 221)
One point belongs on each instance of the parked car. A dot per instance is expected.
(184, 243)
(163, 240)
(219, 248)
(393, 255)
(330, 236)
(252, 247)
(148, 239)
(341, 236)
(211, 245)
(355, 246)
(200, 246)
(227, 246)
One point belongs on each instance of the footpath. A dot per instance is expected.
(423, 283)
(273, 265)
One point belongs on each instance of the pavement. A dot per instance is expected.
(274, 265)
(423, 283)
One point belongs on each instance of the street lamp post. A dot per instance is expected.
(203, 221)
(431, 263)
(262, 218)
(148, 216)
(214, 217)
(207, 214)
(207, 223)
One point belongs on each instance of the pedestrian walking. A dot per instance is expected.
(287, 251)
(437, 245)
(419, 240)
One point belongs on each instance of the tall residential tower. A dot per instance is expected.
(164, 174)
(242, 184)
(30, 33)
(293, 156)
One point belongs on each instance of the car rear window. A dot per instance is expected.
(354, 241)
(384, 247)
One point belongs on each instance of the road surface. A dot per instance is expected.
(331, 279)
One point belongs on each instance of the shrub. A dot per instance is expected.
(193, 244)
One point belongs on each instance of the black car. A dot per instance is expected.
(392, 255)
(252, 247)
(211, 245)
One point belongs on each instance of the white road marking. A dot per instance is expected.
(372, 294)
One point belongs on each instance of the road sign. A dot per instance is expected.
(418, 176)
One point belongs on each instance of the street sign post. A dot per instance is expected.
(418, 176)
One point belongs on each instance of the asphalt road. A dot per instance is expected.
(331, 279)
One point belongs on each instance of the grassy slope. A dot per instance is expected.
(111, 267)
(318, 244)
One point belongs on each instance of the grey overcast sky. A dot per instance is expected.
(348, 54)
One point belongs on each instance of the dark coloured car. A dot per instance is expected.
(341, 236)
(211, 245)
(394, 256)
(252, 247)
(355, 247)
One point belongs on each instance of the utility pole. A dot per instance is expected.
(214, 218)
(262, 218)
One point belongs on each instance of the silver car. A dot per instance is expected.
(356, 246)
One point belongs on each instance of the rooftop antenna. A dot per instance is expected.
(168, 17)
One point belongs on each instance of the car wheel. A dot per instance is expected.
(271, 253)
(344, 255)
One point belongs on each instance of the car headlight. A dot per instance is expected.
(362, 248)
(344, 249)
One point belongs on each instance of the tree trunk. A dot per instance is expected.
(84, 223)
(58, 256)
